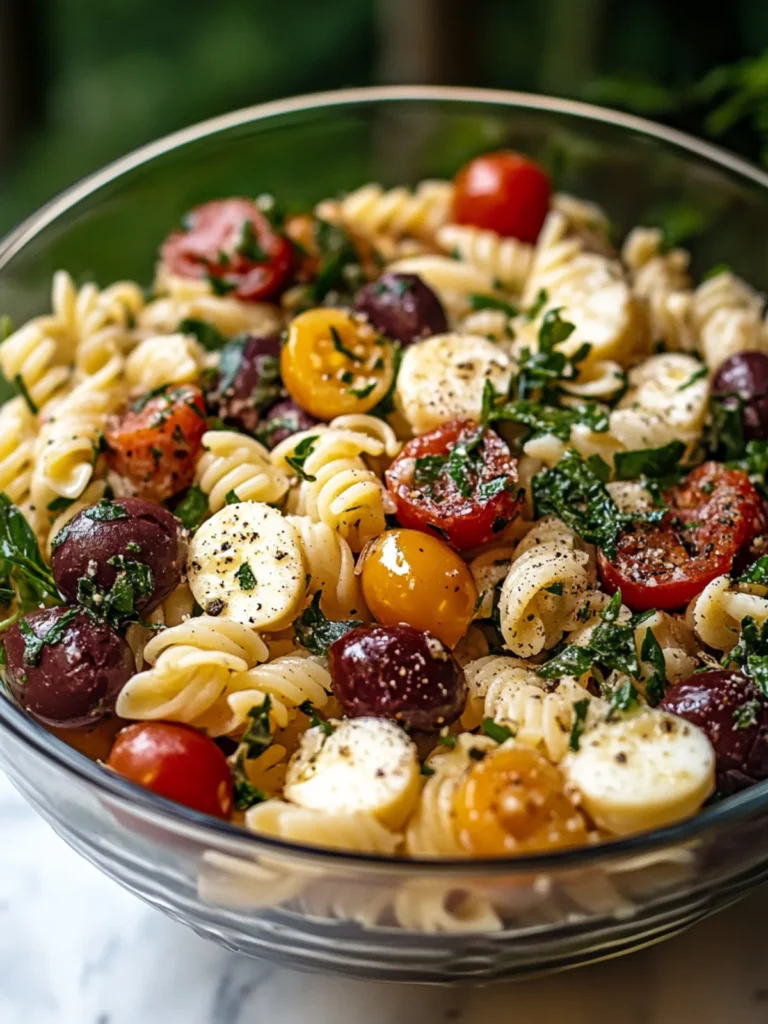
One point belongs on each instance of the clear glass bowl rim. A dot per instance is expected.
(205, 828)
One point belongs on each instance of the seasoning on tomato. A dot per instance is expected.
(503, 192)
(232, 244)
(177, 762)
(514, 801)
(413, 577)
(334, 363)
(713, 514)
(459, 480)
(153, 444)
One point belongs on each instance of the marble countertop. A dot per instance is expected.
(77, 949)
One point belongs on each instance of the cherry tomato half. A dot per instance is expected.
(232, 243)
(514, 801)
(333, 363)
(459, 480)
(412, 577)
(177, 762)
(502, 192)
(154, 443)
(713, 513)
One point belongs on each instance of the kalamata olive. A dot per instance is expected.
(247, 382)
(397, 672)
(99, 541)
(402, 307)
(281, 421)
(746, 374)
(65, 667)
(733, 714)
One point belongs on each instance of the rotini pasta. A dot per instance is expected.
(161, 360)
(726, 315)
(331, 569)
(234, 462)
(717, 613)
(371, 211)
(660, 279)
(505, 260)
(361, 833)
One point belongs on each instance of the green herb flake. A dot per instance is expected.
(496, 731)
(655, 463)
(192, 507)
(258, 734)
(580, 708)
(756, 573)
(245, 577)
(105, 511)
(246, 794)
(21, 387)
(59, 504)
(248, 244)
(556, 589)
(231, 498)
(363, 392)
(301, 453)
(538, 304)
(696, 375)
(481, 302)
(745, 715)
(35, 642)
(427, 770)
(206, 333)
(315, 632)
(316, 720)
(446, 740)
(339, 345)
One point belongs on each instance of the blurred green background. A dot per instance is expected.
(83, 81)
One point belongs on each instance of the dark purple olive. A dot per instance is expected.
(65, 667)
(281, 421)
(247, 382)
(731, 711)
(99, 540)
(746, 374)
(397, 672)
(402, 307)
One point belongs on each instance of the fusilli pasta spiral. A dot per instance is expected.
(726, 313)
(355, 832)
(371, 210)
(505, 260)
(163, 359)
(717, 613)
(235, 462)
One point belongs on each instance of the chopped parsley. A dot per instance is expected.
(339, 345)
(220, 285)
(21, 387)
(538, 304)
(315, 632)
(480, 302)
(340, 268)
(209, 336)
(545, 420)
(756, 573)
(231, 497)
(119, 604)
(751, 653)
(446, 740)
(556, 589)
(746, 714)
(246, 794)
(59, 504)
(702, 371)
(248, 244)
(655, 463)
(611, 646)
(364, 391)
(496, 731)
(574, 491)
(34, 642)
(580, 708)
(192, 507)
(105, 511)
(301, 453)
(623, 698)
(427, 770)
(652, 654)
(245, 577)
(23, 573)
(258, 734)
(316, 720)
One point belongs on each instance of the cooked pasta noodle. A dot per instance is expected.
(235, 462)
(717, 613)
(289, 681)
(358, 832)
(372, 211)
(331, 569)
(505, 260)
(660, 279)
(18, 429)
(726, 314)
(163, 359)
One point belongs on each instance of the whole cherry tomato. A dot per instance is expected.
(410, 576)
(177, 762)
(503, 192)
(459, 480)
(154, 443)
(333, 363)
(514, 801)
(233, 244)
(713, 513)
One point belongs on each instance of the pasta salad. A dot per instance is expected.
(426, 523)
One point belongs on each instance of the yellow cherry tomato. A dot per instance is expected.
(412, 577)
(514, 801)
(333, 364)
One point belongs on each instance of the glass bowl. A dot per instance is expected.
(367, 916)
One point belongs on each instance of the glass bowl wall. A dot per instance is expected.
(366, 916)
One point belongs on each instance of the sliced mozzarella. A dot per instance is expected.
(245, 563)
(366, 765)
(642, 772)
(443, 377)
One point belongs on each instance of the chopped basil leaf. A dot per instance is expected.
(725, 434)
(363, 392)
(556, 589)
(34, 642)
(105, 511)
(301, 453)
(206, 333)
(696, 375)
(715, 271)
(59, 504)
(246, 794)
(427, 770)
(751, 653)
(547, 419)
(654, 463)
(231, 498)
(623, 698)
(446, 741)
(652, 654)
(315, 632)
(22, 568)
(580, 708)
(316, 720)
(756, 573)
(119, 604)
(746, 714)
(339, 263)
(476, 754)
(496, 731)
(538, 304)
(258, 735)
(480, 302)
(574, 491)
(245, 577)
(21, 387)
(339, 345)
(611, 646)
(220, 285)
(248, 244)
(490, 488)
(192, 507)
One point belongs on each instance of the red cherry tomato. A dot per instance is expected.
(503, 192)
(177, 762)
(231, 242)
(713, 513)
(459, 480)
(155, 442)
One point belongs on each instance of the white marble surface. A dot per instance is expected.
(77, 949)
